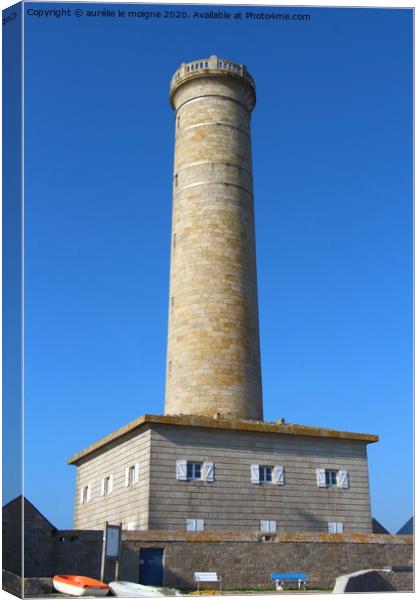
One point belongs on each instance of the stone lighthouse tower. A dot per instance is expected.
(213, 359)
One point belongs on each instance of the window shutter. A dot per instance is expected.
(110, 483)
(199, 525)
(255, 474)
(343, 479)
(136, 473)
(190, 524)
(272, 526)
(89, 493)
(320, 478)
(103, 486)
(278, 475)
(208, 471)
(181, 469)
(265, 526)
(127, 477)
(81, 494)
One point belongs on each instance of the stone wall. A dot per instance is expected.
(127, 504)
(231, 502)
(243, 562)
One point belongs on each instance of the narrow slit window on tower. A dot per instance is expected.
(178, 121)
(174, 241)
(176, 180)
(172, 302)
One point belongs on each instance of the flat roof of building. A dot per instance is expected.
(222, 423)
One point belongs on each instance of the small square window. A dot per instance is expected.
(268, 526)
(330, 478)
(195, 525)
(334, 527)
(266, 474)
(194, 470)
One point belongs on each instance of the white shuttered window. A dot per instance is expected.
(195, 524)
(194, 471)
(334, 527)
(332, 478)
(267, 474)
(268, 526)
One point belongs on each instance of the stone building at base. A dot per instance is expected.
(192, 473)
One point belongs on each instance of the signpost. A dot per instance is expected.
(111, 547)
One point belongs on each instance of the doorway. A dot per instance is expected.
(151, 566)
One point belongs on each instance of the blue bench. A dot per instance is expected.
(300, 578)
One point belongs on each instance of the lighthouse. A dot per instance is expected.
(210, 463)
(213, 355)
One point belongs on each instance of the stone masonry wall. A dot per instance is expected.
(247, 564)
(213, 360)
(231, 502)
(243, 560)
(127, 504)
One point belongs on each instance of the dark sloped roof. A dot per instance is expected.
(407, 528)
(378, 528)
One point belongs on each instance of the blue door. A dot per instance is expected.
(151, 566)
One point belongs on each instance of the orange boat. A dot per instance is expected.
(77, 585)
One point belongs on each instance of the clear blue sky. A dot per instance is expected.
(332, 151)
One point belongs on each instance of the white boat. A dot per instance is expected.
(128, 589)
(78, 585)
